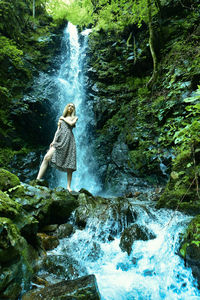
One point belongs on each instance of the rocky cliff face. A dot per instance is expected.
(28, 46)
(134, 126)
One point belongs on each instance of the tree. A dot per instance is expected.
(33, 8)
(112, 14)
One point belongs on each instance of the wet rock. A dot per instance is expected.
(49, 228)
(17, 259)
(62, 267)
(189, 248)
(48, 242)
(27, 224)
(40, 182)
(81, 288)
(8, 180)
(134, 233)
(114, 214)
(43, 204)
(63, 203)
(25, 166)
(34, 200)
(64, 230)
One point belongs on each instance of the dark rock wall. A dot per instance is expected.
(29, 48)
(133, 124)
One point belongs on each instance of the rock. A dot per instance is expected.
(17, 259)
(48, 242)
(63, 203)
(27, 224)
(45, 205)
(82, 288)
(25, 165)
(49, 228)
(62, 266)
(134, 233)
(40, 182)
(8, 207)
(64, 230)
(189, 248)
(35, 201)
(8, 180)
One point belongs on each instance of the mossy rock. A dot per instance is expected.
(8, 207)
(8, 180)
(16, 258)
(35, 201)
(9, 240)
(190, 247)
(27, 224)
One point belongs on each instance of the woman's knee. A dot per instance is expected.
(47, 157)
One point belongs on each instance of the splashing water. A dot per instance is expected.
(71, 88)
(152, 271)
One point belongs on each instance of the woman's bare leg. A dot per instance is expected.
(69, 179)
(45, 162)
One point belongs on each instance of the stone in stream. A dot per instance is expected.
(134, 233)
(83, 288)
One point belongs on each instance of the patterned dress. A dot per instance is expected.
(65, 155)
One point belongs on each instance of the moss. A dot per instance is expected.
(6, 155)
(8, 180)
(191, 240)
(8, 207)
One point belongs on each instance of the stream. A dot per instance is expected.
(153, 270)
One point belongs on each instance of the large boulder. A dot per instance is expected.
(45, 205)
(134, 233)
(84, 288)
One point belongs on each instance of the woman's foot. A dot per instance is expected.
(69, 190)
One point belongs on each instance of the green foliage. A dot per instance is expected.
(191, 237)
(103, 14)
(8, 50)
(78, 12)
(189, 134)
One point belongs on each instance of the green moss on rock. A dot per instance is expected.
(8, 207)
(8, 180)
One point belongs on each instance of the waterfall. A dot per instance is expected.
(153, 270)
(71, 88)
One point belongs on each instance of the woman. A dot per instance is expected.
(62, 152)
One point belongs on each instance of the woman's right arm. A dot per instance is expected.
(69, 120)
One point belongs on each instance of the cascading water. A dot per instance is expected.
(153, 270)
(71, 88)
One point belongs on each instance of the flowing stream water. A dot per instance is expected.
(153, 270)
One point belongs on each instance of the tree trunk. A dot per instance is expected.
(151, 45)
(33, 8)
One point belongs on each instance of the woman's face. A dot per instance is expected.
(70, 108)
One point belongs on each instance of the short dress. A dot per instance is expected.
(65, 155)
